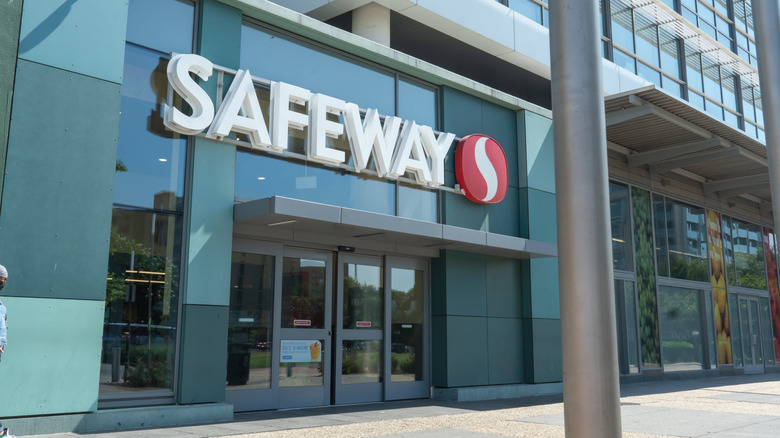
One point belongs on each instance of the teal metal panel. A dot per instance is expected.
(10, 20)
(439, 350)
(460, 212)
(461, 114)
(542, 353)
(84, 36)
(538, 163)
(542, 224)
(501, 124)
(541, 297)
(210, 236)
(56, 218)
(466, 284)
(504, 217)
(505, 350)
(504, 287)
(439, 284)
(203, 354)
(212, 176)
(52, 362)
(467, 353)
(220, 33)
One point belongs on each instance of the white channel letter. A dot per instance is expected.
(486, 169)
(437, 149)
(282, 117)
(241, 97)
(410, 155)
(179, 69)
(321, 128)
(371, 135)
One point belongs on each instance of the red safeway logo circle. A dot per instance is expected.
(481, 169)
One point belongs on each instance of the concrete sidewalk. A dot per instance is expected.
(740, 406)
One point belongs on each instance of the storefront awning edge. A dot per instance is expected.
(282, 217)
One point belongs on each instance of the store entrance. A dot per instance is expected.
(312, 328)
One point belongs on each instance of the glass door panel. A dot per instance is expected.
(304, 346)
(751, 335)
(408, 348)
(359, 329)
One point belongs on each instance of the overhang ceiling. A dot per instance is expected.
(663, 134)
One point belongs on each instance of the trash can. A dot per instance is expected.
(238, 364)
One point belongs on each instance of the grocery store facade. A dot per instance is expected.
(223, 206)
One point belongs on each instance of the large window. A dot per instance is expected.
(681, 240)
(144, 267)
(746, 243)
(620, 217)
(276, 56)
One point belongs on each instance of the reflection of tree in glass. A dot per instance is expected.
(362, 302)
(643, 239)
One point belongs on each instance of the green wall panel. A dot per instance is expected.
(52, 361)
(504, 287)
(537, 220)
(220, 40)
(537, 165)
(466, 281)
(504, 217)
(543, 360)
(467, 353)
(203, 354)
(84, 36)
(56, 216)
(460, 212)
(10, 20)
(541, 297)
(461, 114)
(500, 124)
(439, 350)
(505, 350)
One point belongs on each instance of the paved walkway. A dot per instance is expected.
(742, 406)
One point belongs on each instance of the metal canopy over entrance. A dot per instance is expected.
(290, 220)
(664, 134)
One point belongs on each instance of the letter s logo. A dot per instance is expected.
(481, 169)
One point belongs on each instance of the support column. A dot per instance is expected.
(372, 21)
(766, 19)
(591, 389)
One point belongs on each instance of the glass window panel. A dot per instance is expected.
(632, 333)
(681, 328)
(361, 362)
(624, 60)
(142, 303)
(622, 25)
(708, 29)
(276, 57)
(736, 333)
(758, 105)
(714, 109)
(754, 327)
(705, 12)
(696, 100)
(417, 102)
(729, 95)
(722, 6)
(527, 8)
(416, 202)
(747, 103)
(711, 79)
(163, 25)
(670, 54)
(306, 372)
(406, 348)
(250, 322)
(262, 176)
(659, 215)
(150, 159)
(722, 25)
(303, 293)
(671, 86)
(646, 72)
(731, 119)
(693, 70)
(728, 250)
(687, 237)
(363, 294)
(744, 319)
(646, 40)
(749, 255)
(646, 278)
(739, 14)
(690, 4)
(691, 16)
(620, 216)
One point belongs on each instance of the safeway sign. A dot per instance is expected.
(397, 146)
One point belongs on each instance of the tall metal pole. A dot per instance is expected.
(591, 388)
(766, 20)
